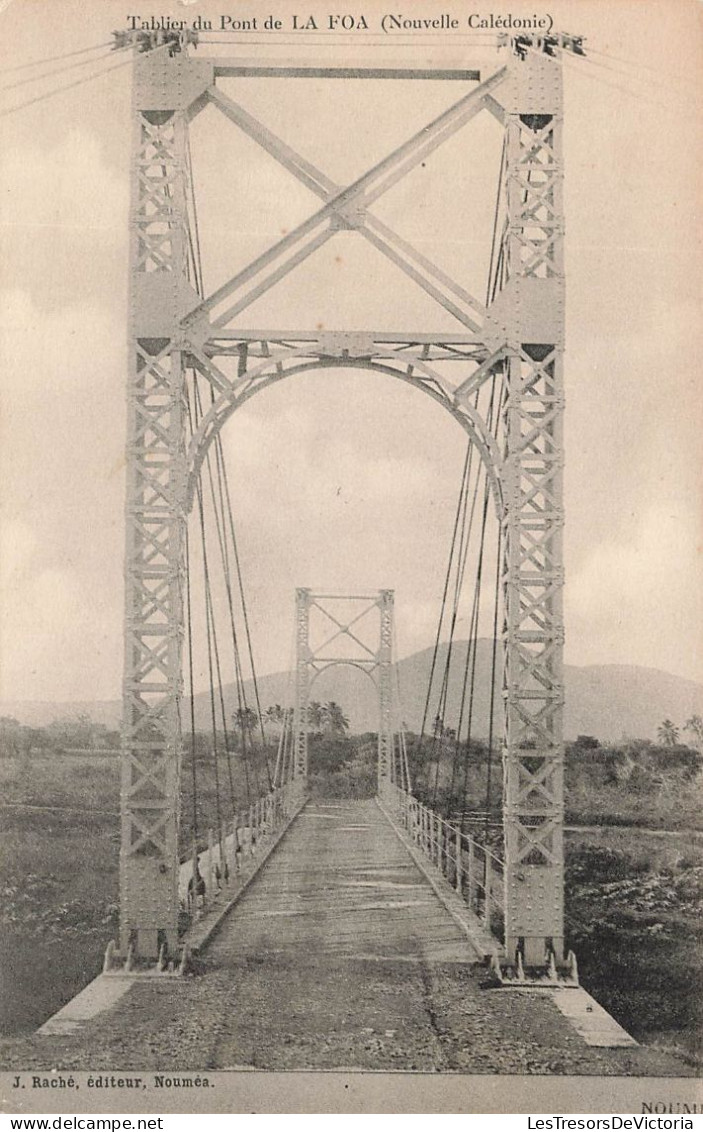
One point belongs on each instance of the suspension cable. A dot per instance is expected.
(444, 596)
(68, 86)
(471, 622)
(491, 709)
(405, 772)
(490, 291)
(191, 691)
(459, 582)
(58, 58)
(211, 644)
(239, 679)
(474, 638)
(278, 777)
(220, 512)
(245, 613)
(59, 70)
(472, 649)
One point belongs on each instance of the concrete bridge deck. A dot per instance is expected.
(338, 956)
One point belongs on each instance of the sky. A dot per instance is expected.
(348, 480)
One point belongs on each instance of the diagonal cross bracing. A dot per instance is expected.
(375, 662)
(396, 165)
(379, 234)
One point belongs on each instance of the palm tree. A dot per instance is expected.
(333, 718)
(245, 720)
(274, 712)
(695, 726)
(668, 734)
(315, 715)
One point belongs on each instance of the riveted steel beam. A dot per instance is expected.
(527, 318)
(155, 518)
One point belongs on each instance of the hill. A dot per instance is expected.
(608, 701)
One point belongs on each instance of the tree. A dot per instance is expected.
(586, 742)
(10, 735)
(77, 732)
(668, 734)
(695, 726)
(334, 721)
(245, 719)
(276, 716)
(315, 716)
(275, 713)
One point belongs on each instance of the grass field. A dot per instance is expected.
(632, 897)
(59, 904)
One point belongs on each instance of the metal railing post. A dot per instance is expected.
(210, 864)
(471, 873)
(488, 886)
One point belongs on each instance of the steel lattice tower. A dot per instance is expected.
(376, 662)
(518, 337)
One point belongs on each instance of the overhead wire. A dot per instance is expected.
(68, 86)
(637, 63)
(639, 95)
(62, 70)
(58, 58)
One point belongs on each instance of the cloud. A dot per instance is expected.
(63, 218)
(57, 642)
(61, 519)
(639, 597)
(64, 186)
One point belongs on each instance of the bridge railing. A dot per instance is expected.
(473, 870)
(224, 866)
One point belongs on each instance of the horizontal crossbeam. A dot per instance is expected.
(455, 338)
(296, 69)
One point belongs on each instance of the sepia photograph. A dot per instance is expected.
(351, 735)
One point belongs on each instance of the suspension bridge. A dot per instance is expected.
(228, 862)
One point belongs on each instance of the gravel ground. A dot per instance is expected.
(362, 1014)
(339, 956)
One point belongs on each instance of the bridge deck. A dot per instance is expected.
(339, 955)
(341, 885)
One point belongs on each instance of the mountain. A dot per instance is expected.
(609, 701)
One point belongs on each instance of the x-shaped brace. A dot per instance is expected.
(348, 208)
(344, 630)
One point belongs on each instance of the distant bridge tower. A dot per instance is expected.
(374, 659)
